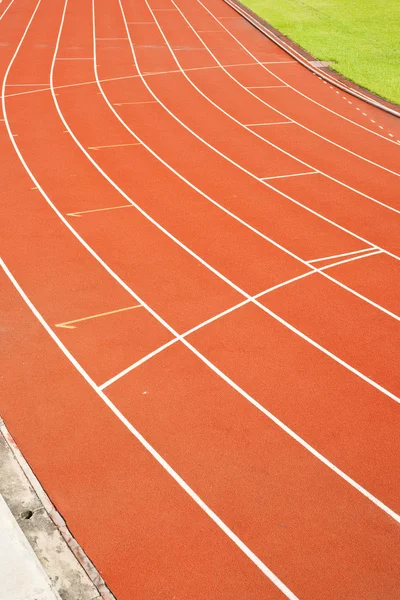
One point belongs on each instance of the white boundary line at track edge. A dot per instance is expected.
(333, 81)
(175, 476)
(272, 417)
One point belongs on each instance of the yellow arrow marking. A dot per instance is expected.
(68, 324)
(83, 212)
(113, 146)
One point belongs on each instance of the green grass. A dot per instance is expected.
(360, 37)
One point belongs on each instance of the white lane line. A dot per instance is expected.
(200, 326)
(277, 62)
(247, 126)
(70, 324)
(291, 175)
(340, 255)
(113, 146)
(296, 90)
(84, 212)
(177, 478)
(307, 97)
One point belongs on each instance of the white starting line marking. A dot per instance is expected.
(69, 324)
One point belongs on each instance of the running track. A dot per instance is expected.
(200, 282)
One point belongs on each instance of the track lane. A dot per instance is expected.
(344, 208)
(277, 497)
(313, 398)
(92, 465)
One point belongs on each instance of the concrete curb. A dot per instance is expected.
(45, 553)
(21, 574)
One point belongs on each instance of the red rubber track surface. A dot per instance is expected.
(200, 285)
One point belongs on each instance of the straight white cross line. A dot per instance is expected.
(342, 262)
(337, 282)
